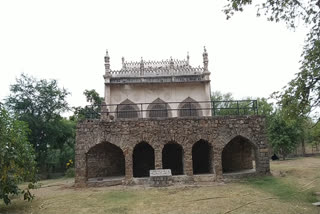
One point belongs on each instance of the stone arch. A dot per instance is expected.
(202, 157)
(172, 158)
(189, 107)
(159, 108)
(127, 109)
(143, 159)
(105, 160)
(238, 155)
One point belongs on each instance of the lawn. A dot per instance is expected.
(290, 190)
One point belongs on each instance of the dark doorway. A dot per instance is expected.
(201, 157)
(172, 158)
(143, 159)
(238, 155)
(105, 160)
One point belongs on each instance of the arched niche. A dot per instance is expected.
(158, 108)
(189, 108)
(143, 159)
(105, 160)
(239, 154)
(172, 158)
(202, 157)
(127, 109)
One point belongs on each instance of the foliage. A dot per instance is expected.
(70, 172)
(289, 11)
(92, 111)
(265, 107)
(283, 134)
(225, 104)
(17, 158)
(302, 95)
(40, 103)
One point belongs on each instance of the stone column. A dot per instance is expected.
(188, 169)
(80, 170)
(128, 164)
(158, 157)
(262, 161)
(217, 163)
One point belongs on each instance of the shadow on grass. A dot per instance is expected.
(281, 189)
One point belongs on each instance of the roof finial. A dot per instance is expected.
(188, 57)
(205, 59)
(141, 67)
(107, 62)
(123, 63)
(171, 63)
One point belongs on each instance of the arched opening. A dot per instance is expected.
(238, 155)
(172, 158)
(189, 108)
(202, 157)
(143, 159)
(127, 109)
(158, 108)
(105, 160)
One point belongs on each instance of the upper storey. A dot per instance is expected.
(164, 71)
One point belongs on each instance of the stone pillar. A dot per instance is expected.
(128, 164)
(158, 157)
(262, 161)
(217, 163)
(188, 169)
(80, 170)
(212, 159)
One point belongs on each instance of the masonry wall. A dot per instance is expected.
(168, 92)
(217, 131)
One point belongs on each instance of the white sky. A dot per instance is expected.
(66, 40)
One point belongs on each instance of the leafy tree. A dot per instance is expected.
(302, 95)
(92, 111)
(40, 103)
(17, 158)
(283, 134)
(225, 104)
(63, 132)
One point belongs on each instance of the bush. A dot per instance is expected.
(70, 173)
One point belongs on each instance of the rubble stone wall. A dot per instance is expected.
(217, 131)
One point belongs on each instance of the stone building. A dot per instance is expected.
(158, 115)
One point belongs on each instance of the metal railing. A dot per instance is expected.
(173, 109)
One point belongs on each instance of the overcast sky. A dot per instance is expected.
(66, 40)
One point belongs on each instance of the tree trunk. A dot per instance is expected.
(303, 148)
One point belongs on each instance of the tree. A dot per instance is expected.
(225, 104)
(92, 111)
(17, 158)
(40, 104)
(302, 95)
(283, 134)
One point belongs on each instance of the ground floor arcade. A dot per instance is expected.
(204, 147)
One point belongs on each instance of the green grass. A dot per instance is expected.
(281, 189)
(119, 196)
